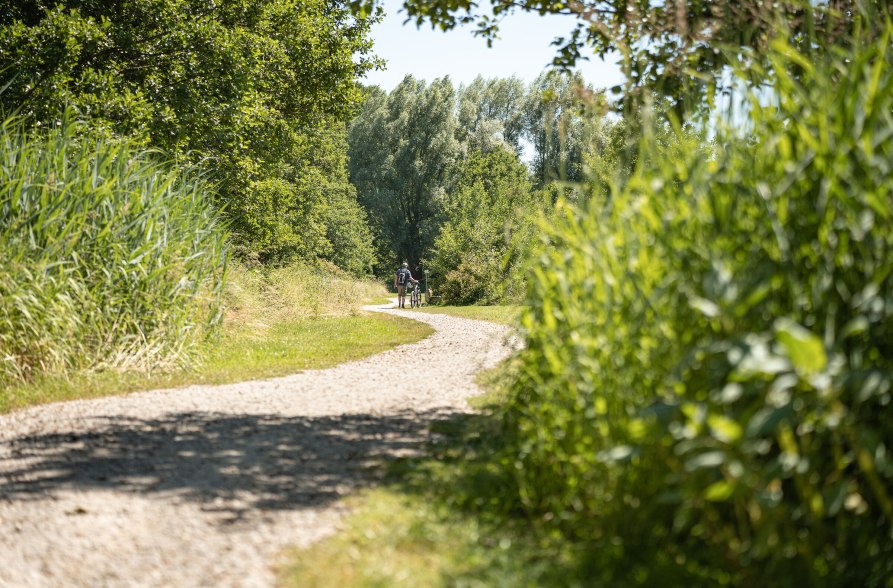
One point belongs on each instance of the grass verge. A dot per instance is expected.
(503, 314)
(424, 529)
(241, 353)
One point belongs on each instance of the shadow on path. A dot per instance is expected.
(226, 463)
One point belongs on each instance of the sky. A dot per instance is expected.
(523, 50)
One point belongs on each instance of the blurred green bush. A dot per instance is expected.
(704, 398)
(109, 257)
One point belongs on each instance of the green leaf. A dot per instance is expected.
(708, 459)
(765, 421)
(704, 306)
(805, 349)
(719, 491)
(724, 429)
(835, 495)
(619, 453)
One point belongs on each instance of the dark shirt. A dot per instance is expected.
(407, 276)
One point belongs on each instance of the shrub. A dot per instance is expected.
(476, 257)
(110, 258)
(705, 394)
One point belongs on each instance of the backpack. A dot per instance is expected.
(401, 276)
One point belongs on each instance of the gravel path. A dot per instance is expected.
(206, 485)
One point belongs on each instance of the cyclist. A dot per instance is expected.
(401, 279)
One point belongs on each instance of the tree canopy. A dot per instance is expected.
(486, 229)
(402, 147)
(256, 89)
(183, 70)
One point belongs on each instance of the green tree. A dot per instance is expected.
(402, 147)
(555, 125)
(486, 231)
(252, 88)
(491, 111)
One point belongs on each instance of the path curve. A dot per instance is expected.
(206, 485)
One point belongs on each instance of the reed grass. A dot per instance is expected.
(278, 321)
(111, 257)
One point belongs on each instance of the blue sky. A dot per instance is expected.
(523, 50)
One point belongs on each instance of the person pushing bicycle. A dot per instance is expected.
(401, 279)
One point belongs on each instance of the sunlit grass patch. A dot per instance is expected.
(496, 384)
(391, 539)
(308, 343)
(421, 531)
(503, 314)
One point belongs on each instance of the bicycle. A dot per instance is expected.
(415, 298)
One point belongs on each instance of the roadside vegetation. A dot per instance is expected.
(112, 257)
(276, 322)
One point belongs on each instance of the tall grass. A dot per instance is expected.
(109, 257)
(278, 321)
(264, 296)
(705, 395)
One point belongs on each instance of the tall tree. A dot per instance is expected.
(255, 88)
(555, 125)
(491, 111)
(401, 148)
(486, 229)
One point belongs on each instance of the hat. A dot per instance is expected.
(405, 264)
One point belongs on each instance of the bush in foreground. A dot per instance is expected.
(110, 258)
(705, 398)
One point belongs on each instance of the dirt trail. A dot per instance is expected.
(205, 485)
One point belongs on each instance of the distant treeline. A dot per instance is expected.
(452, 178)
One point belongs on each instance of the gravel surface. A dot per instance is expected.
(206, 485)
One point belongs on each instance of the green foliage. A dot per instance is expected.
(110, 258)
(259, 88)
(277, 321)
(490, 113)
(477, 255)
(679, 50)
(441, 177)
(348, 232)
(265, 296)
(202, 77)
(306, 209)
(402, 147)
(556, 126)
(704, 398)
